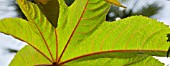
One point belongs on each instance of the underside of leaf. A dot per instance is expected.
(84, 38)
(50, 8)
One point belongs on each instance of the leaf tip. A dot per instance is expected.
(43, 1)
(116, 2)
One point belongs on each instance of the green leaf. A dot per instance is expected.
(135, 35)
(37, 32)
(50, 9)
(83, 36)
(28, 56)
(115, 2)
(89, 14)
(138, 60)
(29, 33)
(46, 33)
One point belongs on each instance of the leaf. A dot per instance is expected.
(28, 56)
(83, 36)
(86, 34)
(134, 35)
(86, 20)
(37, 32)
(139, 60)
(115, 2)
(43, 1)
(50, 8)
(45, 31)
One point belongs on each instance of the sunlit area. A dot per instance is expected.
(156, 9)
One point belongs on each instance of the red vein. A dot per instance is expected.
(44, 41)
(96, 53)
(35, 48)
(40, 33)
(28, 44)
(56, 45)
(73, 31)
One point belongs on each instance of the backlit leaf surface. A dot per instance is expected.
(83, 37)
(138, 60)
(28, 56)
(37, 31)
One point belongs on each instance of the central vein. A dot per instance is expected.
(73, 31)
